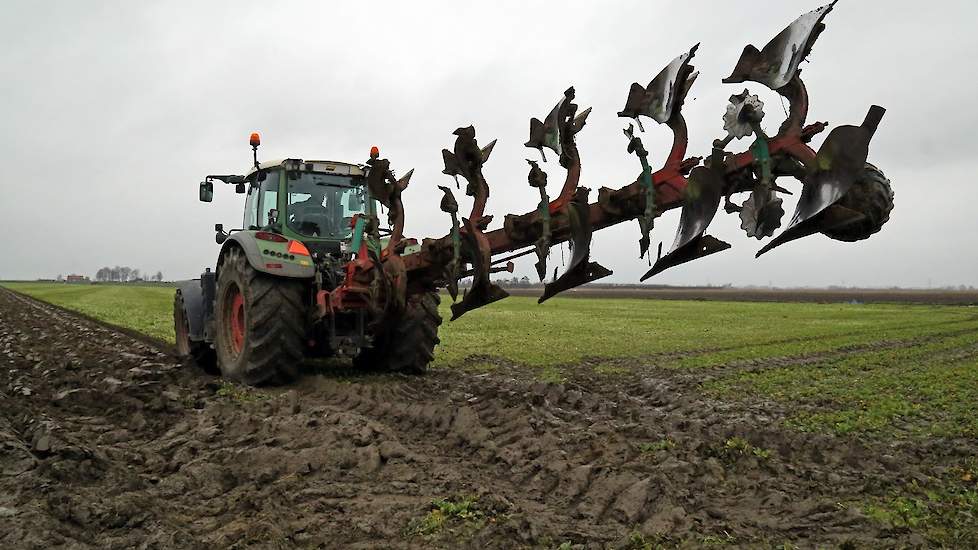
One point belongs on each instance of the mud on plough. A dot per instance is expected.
(842, 196)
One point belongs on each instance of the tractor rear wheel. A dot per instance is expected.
(872, 196)
(408, 345)
(260, 323)
(200, 353)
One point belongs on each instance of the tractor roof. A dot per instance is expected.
(326, 166)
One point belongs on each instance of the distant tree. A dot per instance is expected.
(61, 277)
(103, 274)
(159, 277)
(114, 274)
(125, 272)
(135, 275)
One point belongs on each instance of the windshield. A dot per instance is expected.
(322, 205)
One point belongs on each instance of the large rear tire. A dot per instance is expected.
(872, 196)
(201, 353)
(408, 346)
(260, 323)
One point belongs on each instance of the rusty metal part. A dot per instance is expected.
(703, 196)
(647, 220)
(838, 164)
(395, 212)
(580, 270)
(612, 207)
(387, 190)
(778, 62)
(777, 68)
(557, 133)
(452, 267)
(754, 170)
(538, 178)
(466, 161)
(380, 180)
(508, 268)
(483, 291)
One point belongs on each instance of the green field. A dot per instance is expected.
(144, 308)
(870, 369)
(894, 374)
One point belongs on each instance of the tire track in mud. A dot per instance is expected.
(116, 445)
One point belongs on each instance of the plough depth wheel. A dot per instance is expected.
(871, 196)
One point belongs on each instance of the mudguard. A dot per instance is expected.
(193, 307)
(247, 242)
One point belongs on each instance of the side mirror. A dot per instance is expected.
(206, 191)
(239, 188)
(272, 216)
(219, 227)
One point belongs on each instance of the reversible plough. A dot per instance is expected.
(828, 203)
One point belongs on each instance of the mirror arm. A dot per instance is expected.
(227, 178)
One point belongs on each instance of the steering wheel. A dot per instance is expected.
(303, 216)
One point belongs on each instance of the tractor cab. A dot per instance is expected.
(311, 201)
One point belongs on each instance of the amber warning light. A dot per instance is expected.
(374, 152)
(255, 140)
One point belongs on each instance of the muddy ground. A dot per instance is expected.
(108, 442)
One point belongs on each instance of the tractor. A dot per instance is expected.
(286, 284)
(313, 271)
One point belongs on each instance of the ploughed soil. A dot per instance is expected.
(107, 441)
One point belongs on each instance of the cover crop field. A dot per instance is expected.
(619, 422)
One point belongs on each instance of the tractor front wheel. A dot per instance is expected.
(408, 345)
(199, 352)
(872, 196)
(260, 323)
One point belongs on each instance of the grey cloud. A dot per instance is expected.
(113, 111)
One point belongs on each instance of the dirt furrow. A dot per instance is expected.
(109, 442)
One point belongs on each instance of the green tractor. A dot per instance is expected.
(291, 282)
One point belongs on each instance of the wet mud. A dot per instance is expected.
(107, 441)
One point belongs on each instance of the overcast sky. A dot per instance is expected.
(112, 112)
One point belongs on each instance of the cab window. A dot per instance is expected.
(322, 205)
(268, 199)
